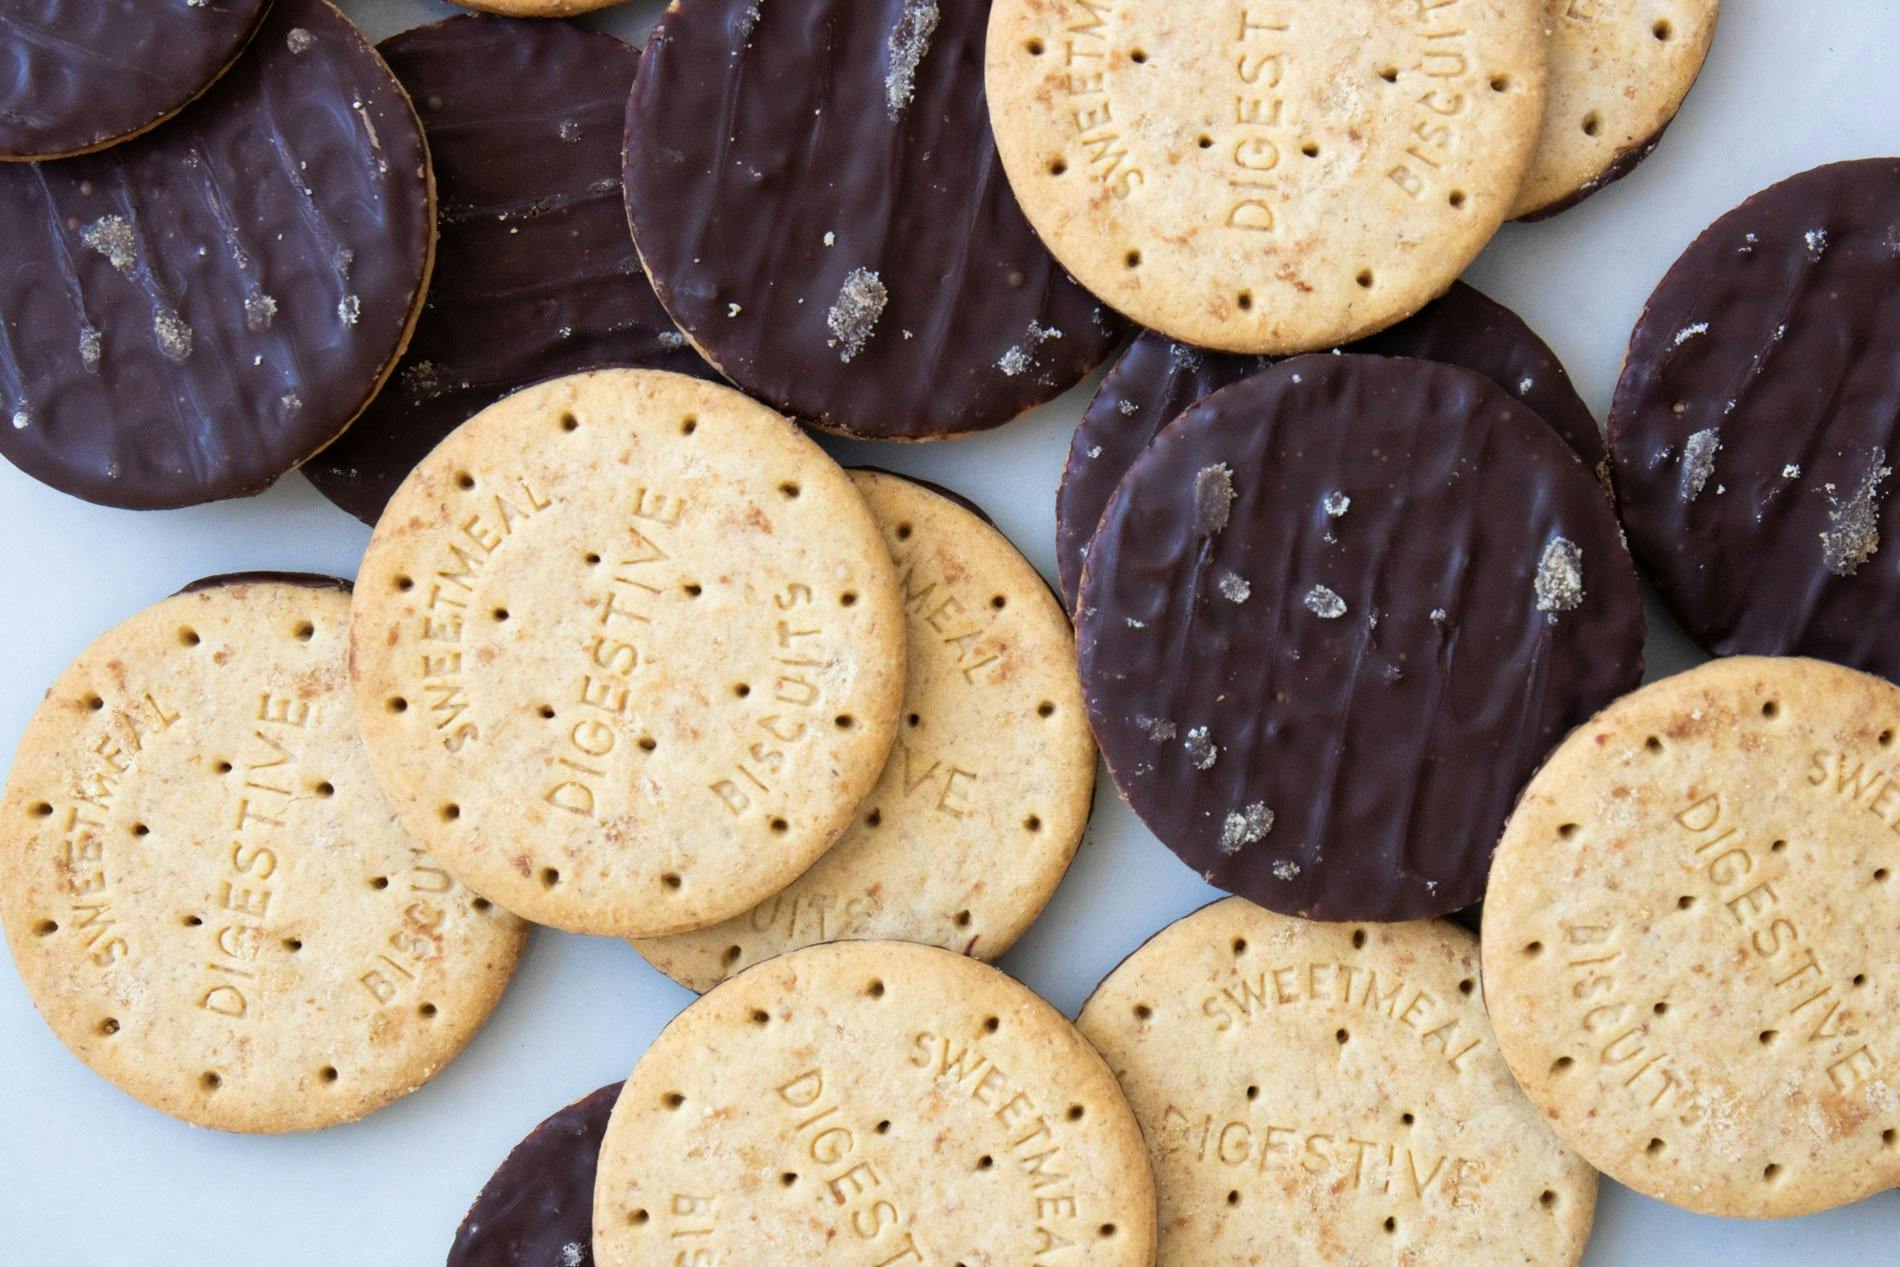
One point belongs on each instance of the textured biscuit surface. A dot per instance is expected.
(816, 195)
(1619, 70)
(536, 275)
(190, 314)
(77, 75)
(207, 895)
(866, 1103)
(1324, 1093)
(1692, 938)
(1298, 610)
(628, 649)
(1266, 177)
(1757, 423)
(988, 787)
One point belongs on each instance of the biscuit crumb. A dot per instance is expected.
(1559, 581)
(854, 314)
(1128, 407)
(299, 41)
(1698, 461)
(1690, 332)
(1817, 243)
(174, 336)
(1337, 504)
(92, 346)
(112, 237)
(1285, 869)
(1791, 472)
(1019, 358)
(1246, 827)
(1213, 498)
(1853, 534)
(1201, 750)
(672, 339)
(910, 41)
(1233, 587)
(259, 310)
(22, 416)
(1323, 602)
(1158, 729)
(348, 308)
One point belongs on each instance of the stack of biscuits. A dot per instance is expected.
(1348, 601)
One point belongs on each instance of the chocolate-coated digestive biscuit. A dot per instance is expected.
(1334, 617)
(79, 75)
(535, 273)
(1757, 422)
(1156, 379)
(537, 1210)
(192, 313)
(815, 192)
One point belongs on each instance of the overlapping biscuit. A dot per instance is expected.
(629, 652)
(1691, 933)
(205, 892)
(1324, 1093)
(873, 1102)
(1619, 70)
(1268, 178)
(988, 787)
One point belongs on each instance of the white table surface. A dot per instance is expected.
(88, 1177)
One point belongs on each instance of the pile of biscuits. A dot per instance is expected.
(1348, 599)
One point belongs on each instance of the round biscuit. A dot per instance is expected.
(1331, 1093)
(206, 894)
(628, 650)
(872, 1102)
(1283, 178)
(988, 787)
(1692, 938)
(1619, 71)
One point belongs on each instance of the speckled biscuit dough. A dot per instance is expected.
(206, 894)
(1691, 936)
(987, 790)
(1272, 177)
(1619, 71)
(873, 1104)
(629, 652)
(1331, 1093)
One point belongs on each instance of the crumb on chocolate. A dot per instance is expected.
(854, 314)
(1853, 533)
(1245, 827)
(1698, 461)
(1325, 603)
(1213, 498)
(1558, 584)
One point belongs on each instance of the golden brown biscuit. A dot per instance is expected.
(206, 893)
(628, 650)
(987, 790)
(872, 1103)
(1331, 1093)
(1692, 938)
(1276, 177)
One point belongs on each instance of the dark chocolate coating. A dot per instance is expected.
(311, 580)
(1368, 756)
(772, 155)
(1156, 379)
(80, 74)
(1776, 532)
(538, 1209)
(1626, 161)
(190, 314)
(536, 275)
